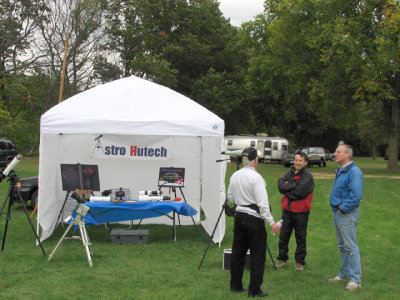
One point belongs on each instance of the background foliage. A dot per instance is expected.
(312, 71)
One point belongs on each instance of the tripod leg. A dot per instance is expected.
(61, 210)
(212, 235)
(87, 239)
(139, 224)
(270, 255)
(173, 226)
(85, 242)
(30, 222)
(8, 218)
(5, 201)
(60, 241)
(194, 223)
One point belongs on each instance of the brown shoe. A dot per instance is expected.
(281, 264)
(299, 267)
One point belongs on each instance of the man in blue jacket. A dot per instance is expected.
(345, 200)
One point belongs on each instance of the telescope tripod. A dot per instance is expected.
(10, 197)
(230, 212)
(224, 208)
(77, 221)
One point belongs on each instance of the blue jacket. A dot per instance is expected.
(347, 188)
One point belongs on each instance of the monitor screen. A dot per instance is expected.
(81, 177)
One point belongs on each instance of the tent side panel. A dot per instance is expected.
(49, 183)
(213, 186)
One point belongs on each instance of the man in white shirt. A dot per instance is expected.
(247, 189)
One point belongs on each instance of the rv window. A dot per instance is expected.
(275, 146)
(284, 147)
(268, 144)
(252, 143)
(229, 142)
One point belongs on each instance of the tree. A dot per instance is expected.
(324, 66)
(282, 66)
(363, 48)
(138, 31)
(186, 45)
(83, 19)
(387, 75)
(19, 21)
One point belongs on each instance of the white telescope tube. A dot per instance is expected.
(12, 165)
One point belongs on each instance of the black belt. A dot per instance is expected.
(253, 206)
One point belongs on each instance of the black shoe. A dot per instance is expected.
(239, 291)
(259, 294)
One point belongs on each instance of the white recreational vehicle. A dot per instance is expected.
(269, 149)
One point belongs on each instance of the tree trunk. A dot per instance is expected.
(373, 151)
(393, 151)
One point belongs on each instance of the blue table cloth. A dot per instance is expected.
(105, 212)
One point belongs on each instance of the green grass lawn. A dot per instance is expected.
(164, 269)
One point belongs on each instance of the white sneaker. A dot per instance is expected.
(352, 285)
(338, 279)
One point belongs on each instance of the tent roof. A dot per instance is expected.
(132, 106)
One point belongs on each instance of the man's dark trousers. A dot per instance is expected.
(249, 233)
(298, 222)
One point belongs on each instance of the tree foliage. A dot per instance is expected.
(185, 45)
(312, 71)
(83, 21)
(324, 66)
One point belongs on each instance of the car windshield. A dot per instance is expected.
(304, 150)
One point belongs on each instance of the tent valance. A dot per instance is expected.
(131, 106)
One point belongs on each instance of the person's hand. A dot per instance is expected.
(275, 228)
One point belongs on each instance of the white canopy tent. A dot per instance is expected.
(130, 128)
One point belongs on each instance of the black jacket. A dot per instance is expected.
(298, 186)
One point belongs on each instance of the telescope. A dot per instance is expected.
(79, 199)
(236, 153)
(105, 193)
(150, 193)
(10, 167)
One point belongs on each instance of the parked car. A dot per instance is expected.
(328, 155)
(316, 156)
(28, 189)
(7, 152)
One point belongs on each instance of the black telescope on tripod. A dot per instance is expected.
(10, 197)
